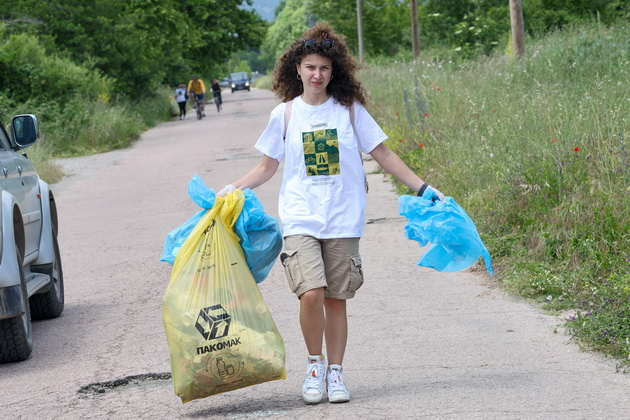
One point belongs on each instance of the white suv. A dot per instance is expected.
(31, 278)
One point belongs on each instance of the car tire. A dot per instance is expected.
(50, 304)
(17, 332)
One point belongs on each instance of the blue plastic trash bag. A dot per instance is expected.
(455, 242)
(259, 233)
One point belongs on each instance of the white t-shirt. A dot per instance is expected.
(323, 188)
(180, 94)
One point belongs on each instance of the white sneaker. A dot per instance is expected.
(337, 391)
(313, 387)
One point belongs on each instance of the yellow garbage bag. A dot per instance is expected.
(220, 334)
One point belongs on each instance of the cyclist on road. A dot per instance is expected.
(197, 90)
(216, 92)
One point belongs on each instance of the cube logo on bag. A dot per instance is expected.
(213, 322)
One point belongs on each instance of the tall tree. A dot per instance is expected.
(290, 22)
(386, 23)
(142, 43)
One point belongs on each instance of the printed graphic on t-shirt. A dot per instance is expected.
(321, 152)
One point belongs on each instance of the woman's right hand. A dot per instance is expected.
(226, 190)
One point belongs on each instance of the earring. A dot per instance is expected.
(299, 76)
(332, 76)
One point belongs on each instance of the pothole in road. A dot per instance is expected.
(98, 388)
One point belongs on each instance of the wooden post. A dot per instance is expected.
(360, 29)
(415, 38)
(518, 32)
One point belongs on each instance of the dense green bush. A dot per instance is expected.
(28, 72)
(76, 113)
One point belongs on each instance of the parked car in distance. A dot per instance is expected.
(239, 81)
(31, 277)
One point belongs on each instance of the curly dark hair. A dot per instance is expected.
(323, 40)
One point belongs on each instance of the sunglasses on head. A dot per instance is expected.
(326, 43)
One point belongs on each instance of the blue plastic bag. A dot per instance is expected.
(455, 242)
(259, 233)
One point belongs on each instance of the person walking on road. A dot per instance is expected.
(180, 97)
(319, 129)
(197, 90)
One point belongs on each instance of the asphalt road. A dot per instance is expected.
(422, 344)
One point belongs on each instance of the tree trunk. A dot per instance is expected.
(518, 32)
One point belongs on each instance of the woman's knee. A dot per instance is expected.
(313, 297)
(335, 305)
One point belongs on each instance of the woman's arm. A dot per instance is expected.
(395, 166)
(392, 163)
(260, 174)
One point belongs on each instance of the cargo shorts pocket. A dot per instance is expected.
(289, 259)
(356, 274)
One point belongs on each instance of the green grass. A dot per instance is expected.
(536, 151)
(87, 126)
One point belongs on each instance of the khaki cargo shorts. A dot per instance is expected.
(310, 263)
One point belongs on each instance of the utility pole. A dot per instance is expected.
(518, 31)
(415, 38)
(360, 29)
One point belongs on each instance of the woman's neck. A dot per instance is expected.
(314, 100)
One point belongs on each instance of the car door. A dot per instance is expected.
(30, 204)
(19, 178)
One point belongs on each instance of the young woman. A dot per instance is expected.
(323, 193)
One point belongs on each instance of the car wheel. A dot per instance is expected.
(17, 332)
(50, 304)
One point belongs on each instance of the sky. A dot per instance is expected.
(265, 8)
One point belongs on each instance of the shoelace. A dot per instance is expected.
(335, 381)
(313, 375)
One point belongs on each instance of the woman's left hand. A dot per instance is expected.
(434, 194)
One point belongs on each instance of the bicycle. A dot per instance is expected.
(198, 107)
(197, 103)
(218, 101)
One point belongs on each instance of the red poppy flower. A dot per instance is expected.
(439, 88)
(399, 141)
(553, 141)
(494, 110)
(577, 149)
(421, 145)
(426, 115)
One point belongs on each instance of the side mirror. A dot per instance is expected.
(25, 131)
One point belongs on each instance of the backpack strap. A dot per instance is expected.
(351, 110)
(287, 117)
